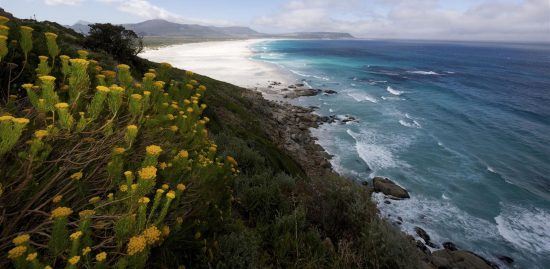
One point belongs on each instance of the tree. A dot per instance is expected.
(121, 43)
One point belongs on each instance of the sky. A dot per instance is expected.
(487, 20)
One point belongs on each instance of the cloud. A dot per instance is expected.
(527, 20)
(146, 10)
(62, 2)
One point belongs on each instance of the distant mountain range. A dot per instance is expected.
(163, 28)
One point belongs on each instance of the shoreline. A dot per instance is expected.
(290, 124)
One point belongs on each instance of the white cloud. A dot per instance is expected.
(62, 2)
(527, 20)
(146, 10)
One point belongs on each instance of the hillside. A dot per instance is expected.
(141, 165)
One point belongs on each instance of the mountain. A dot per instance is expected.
(163, 28)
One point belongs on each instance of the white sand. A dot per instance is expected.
(227, 61)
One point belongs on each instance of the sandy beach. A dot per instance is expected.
(228, 61)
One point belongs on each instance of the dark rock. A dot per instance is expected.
(299, 85)
(422, 247)
(422, 234)
(400, 219)
(387, 202)
(331, 92)
(388, 187)
(450, 246)
(505, 259)
(292, 87)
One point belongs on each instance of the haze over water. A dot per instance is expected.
(465, 127)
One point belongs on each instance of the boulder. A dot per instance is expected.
(330, 92)
(422, 234)
(506, 259)
(460, 259)
(450, 246)
(388, 187)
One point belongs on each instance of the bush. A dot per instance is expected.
(115, 40)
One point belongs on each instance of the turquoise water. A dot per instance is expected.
(465, 127)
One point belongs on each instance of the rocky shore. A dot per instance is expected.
(289, 127)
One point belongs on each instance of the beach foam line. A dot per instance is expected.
(525, 228)
(420, 72)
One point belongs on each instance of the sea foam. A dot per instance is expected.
(525, 228)
(393, 91)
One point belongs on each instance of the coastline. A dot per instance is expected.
(289, 125)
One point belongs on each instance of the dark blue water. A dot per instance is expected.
(465, 127)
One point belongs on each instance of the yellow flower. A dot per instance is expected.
(16, 252)
(163, 165)
(183, 154)
(134, 187)
(136, 96)
(48, 267)
(202, 88)
(86, 213)
(26, 28)
(94, 200)
(43, 58)
(31, 257)
(146, 93)
(132, 127)
(79, 61)
(76, 176)
(151, 234)
(144, 200)
(56, 199)
(61, 105)
(128, 174)
(21, 239)
(147, 173)
(165, 230)
(180, 187)
(40, 134)
(136, 244)
(75, 235)
(153, 150)
(150, 75)
(179, 220)
(5, 118)
(159, 84)
(74, 260)
(123, 188)
(165, 64)
(171, 195)
(20, 120)
(61, 212)
(110, 196)
(190, 110)
(101, 256)
(3, 20)
(86, 250)
(231, 160)
(47, 78)
(161, 191)
(123, 67)
(165, 186)
(189, 73)
(102, 89)
(118, 150)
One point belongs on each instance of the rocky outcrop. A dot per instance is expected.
(459, 259)
(388, 187)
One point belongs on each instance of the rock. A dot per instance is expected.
(387, 202)
(450, 246)
(460, 259)
(422, 234)
(299, 85)
(388, 187)
(505, 259)
(331, 92)
(400, 219)
(422, 247)
(292, 87)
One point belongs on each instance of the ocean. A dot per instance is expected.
(464, 127)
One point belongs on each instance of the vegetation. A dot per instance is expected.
(99, 169)
(115, 40)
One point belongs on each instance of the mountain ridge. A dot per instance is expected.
(164, 28)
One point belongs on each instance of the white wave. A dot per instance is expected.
(307, 84)
(423, 72)
(393, 91)
(445, 197)
(330, 110)
(353, 84)
(308, 76)
(431, 215)
(490, 169)
(440, 144)
(360, 97)
(525, 228)
(376, 150)
(411, 124)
